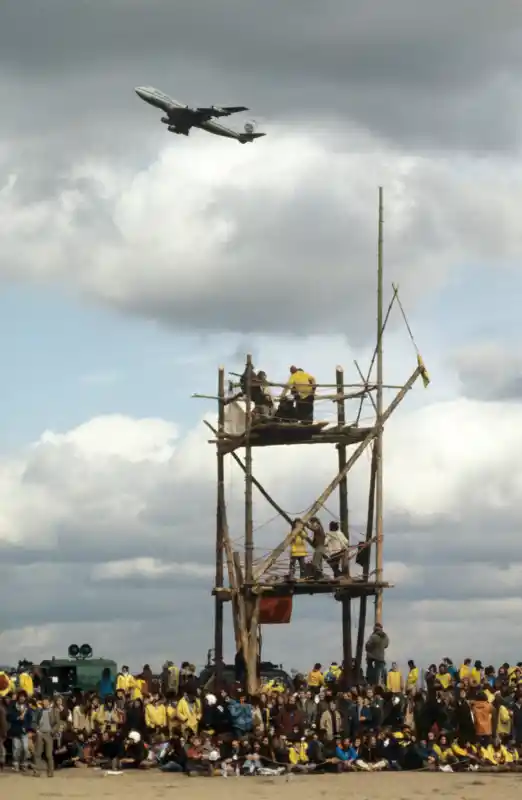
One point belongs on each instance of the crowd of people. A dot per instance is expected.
(444, 718)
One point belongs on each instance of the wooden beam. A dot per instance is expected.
(232, 578)
(241, 605)
(363, 604)
(318, 504)
(249, 522)
(220, 509)
(379, 486)
(346, 603)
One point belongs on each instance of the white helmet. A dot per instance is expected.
(211, 699)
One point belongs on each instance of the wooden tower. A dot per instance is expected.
(251, 583)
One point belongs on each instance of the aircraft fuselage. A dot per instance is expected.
(174, 111)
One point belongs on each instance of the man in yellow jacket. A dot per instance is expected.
(394, 679)
(303, 386)
(25, 683)
(7, 685)
(189, 713)
(125, 681)
(298, 553)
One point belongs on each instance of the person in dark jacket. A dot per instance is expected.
(20, 721)
(464, 723)
(290, 717)
(376, 647)
(3, 733)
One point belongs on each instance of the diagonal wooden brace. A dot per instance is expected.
(279, 550)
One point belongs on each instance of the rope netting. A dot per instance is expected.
(279, 571)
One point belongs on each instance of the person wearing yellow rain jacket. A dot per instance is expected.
(298, 553)
(25, 683)
(315, 678)
(7, 685)
(139, 689)
(298, 755)
(125, 682)
(189, 713)
(156, 715)
(412, 678)
(272, 686)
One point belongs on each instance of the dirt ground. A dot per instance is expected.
(154, 786)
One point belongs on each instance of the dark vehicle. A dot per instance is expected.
(79, 671)
(269, 672)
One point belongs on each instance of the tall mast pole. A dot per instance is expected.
(379, 487)
(220, 523)
(249, 525)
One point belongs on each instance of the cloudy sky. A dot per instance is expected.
(133, 263)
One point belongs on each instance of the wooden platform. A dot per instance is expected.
(268, 433)
(340, 587)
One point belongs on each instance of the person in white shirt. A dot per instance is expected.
(337, 550)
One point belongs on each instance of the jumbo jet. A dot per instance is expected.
(180, 119)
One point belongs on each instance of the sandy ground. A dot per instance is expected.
(154, 786)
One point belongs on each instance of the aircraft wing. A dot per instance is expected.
(220, 111)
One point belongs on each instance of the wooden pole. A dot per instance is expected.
(317, 505)
(366, 568)
(346, 603)
(249, 523)
(219, 581)
(241, 604)
(232, 577)
(251, 602)
(379, 486)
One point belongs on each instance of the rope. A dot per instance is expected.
(420, 362)
(405, 318)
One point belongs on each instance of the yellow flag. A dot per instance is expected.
(424, 372)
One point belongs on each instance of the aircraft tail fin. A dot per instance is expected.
(249, 137)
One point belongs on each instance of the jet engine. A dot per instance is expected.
(165, 120)
(250, 127)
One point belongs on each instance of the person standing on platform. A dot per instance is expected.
(298, 553)
(319, 545)
(302, 387)
(336, 550)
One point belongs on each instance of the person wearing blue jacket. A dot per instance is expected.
(20, 722)
(240, 717)
(346, 753)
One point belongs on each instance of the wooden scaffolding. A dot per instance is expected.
(251, 580)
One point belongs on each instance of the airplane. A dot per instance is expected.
(180, 118)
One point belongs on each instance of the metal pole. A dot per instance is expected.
(379, 487)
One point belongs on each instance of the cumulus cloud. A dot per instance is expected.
(98, 200)
(175, 241)
(115, 520)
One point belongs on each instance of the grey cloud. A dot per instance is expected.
(343, 77)
(490, 371)
(414, 72)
